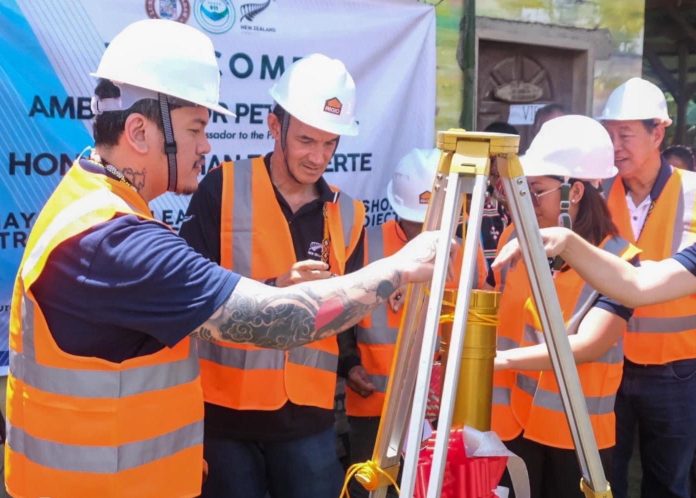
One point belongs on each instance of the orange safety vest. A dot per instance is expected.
(82, 426)
(536, 400)
(515, 288)
(255, 241)
(376, 333)
(665, 332)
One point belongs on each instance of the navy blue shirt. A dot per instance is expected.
(687, 258)
(127, 288)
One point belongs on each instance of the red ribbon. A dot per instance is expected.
(465, 477)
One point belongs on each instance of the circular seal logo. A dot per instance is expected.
(215, 16)
(168, 9)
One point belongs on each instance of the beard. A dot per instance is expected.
(190, 189)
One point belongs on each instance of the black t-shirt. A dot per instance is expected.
(201, 229)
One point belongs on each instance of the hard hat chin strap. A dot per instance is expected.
(564, 219)
(169, 142)
(284, 125)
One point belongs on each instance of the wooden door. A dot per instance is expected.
(515, 79)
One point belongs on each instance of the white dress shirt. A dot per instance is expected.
(638, 213)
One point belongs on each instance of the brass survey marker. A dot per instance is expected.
(463, 169)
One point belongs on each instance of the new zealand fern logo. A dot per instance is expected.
(249, 11)
(215, 16)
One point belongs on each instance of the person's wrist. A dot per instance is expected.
(283, 281)
(569, 243)
(501, 361)
(346, 365)
(398, 272)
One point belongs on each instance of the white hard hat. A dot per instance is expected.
(571, 146)
(409, 189)
(320, 92)
(636, 99)
(159, 56)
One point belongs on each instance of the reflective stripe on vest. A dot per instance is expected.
(376, 335)
(76, 423)
(538, 402)
(596, 405)
(379, 332)
(527, 384)
(239, 358)
(242, 218)
(501, 395)
(256, 242)
(664, 332)
(347, 209)
(314, 358)
(380, 382)
(664, 325)
(94, 383)
(103, 459)
(505, 343)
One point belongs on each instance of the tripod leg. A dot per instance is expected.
(450, 215)
(449, 390)
(553, 326)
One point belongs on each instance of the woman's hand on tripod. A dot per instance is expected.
(554, 239)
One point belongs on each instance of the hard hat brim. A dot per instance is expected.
(213, 107)
(665, 121)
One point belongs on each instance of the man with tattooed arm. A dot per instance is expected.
(269, 415)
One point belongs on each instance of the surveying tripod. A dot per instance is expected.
(463, 169)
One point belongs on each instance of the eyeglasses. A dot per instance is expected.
(537, 195)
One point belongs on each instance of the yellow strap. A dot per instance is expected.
(369, 473)
(474, 318)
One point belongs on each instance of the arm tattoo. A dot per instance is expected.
(283, 318)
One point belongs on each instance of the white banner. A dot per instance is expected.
(51, 46)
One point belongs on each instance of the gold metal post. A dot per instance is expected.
(475, 387)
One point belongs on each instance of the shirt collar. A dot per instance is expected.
(663, 175)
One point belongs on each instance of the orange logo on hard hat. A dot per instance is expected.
(424, 198)
(333, 106)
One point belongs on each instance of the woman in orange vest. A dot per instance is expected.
(563, 163)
